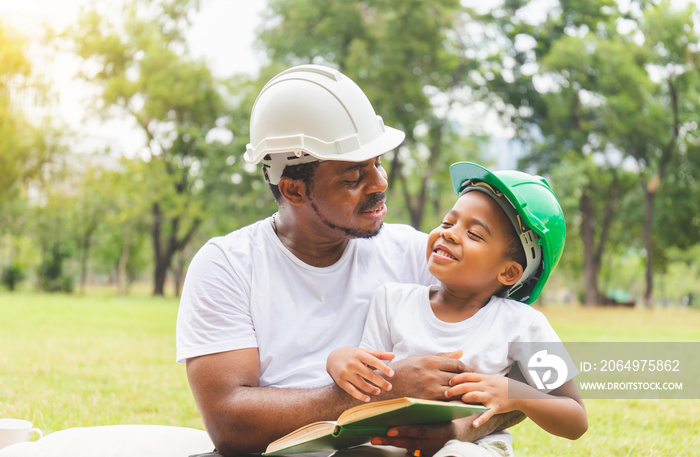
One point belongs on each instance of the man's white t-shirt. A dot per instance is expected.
(246, 290)
(401, 321)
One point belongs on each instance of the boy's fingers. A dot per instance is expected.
(455, 391)
(381, 355)
(384, 368)
(451, 355)
(378, 381)
(377, 364)
(467, 376)
(472, 397)
(363, 385)
(352, 390)
(483, 417)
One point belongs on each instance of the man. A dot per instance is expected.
(264, 306)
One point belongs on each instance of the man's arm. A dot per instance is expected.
(242, 417)
(500, 422)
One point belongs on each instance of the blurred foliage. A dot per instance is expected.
(25, 146)
(407, 58)
(603, 93)
(141, 64)
(12, 275)
(603, 96)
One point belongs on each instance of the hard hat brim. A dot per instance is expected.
(389, 140)
(463, 171)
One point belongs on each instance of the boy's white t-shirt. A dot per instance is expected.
(246, 290)
(401, 321)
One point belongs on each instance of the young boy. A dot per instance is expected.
(498, 244)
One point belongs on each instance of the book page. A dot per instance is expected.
(303, 434)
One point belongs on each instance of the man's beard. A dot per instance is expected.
(372, 200)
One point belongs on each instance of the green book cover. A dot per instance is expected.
(359, 424)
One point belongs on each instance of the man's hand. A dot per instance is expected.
(428, 438)
(431, 438)
(426, 376)
(353, 370)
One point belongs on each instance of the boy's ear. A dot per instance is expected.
(511, 273)
(292, 190)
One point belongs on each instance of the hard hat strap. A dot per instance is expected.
(274, 164)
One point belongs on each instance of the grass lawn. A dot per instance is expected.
(70, 361)
(623, 428)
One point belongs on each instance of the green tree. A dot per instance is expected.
(407, 58)
(538, 77)
(140, 62)
(121, 239)
(90, 205)
(657, 128)
(51, 226)
(12, 275)
(23, 145)
(603, 92)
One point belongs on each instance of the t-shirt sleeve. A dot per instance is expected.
(540, 330)
(540, 350)
(376, 334)
(214, 314)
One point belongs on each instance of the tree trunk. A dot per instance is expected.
(179, 275)
(121, 266)
(158, 255)
(164, 251)
(161, 271)
(84, 261)
(592, 251)
(590, 266)
(648, 220)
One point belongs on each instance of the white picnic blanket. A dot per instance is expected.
(115, 441)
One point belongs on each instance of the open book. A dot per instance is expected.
(359, 424)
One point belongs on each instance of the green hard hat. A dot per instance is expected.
(538, 209)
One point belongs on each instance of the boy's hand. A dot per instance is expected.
(489, 390)
(353, 370)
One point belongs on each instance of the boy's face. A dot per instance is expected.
(467, 251)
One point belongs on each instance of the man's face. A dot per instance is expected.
(349, 197)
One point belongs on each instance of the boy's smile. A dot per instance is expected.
(441, 252)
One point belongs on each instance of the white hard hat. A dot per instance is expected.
(312, 112)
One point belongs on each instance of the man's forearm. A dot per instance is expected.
(497, 423)
(242, 417)
(256, 416)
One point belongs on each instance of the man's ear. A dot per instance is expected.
(292, 190)
(510, 274)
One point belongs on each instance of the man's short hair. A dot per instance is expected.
(304, 171)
